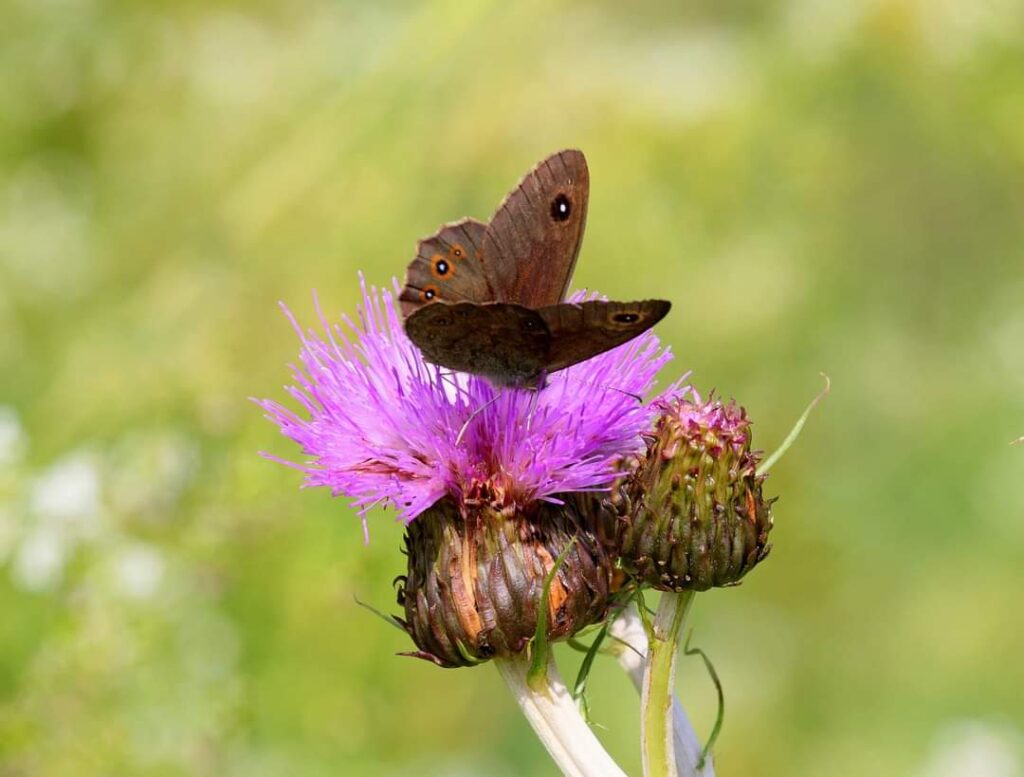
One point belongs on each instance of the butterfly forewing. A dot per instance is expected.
(532, 242)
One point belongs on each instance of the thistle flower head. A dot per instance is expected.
(382, 426)
(690, 513)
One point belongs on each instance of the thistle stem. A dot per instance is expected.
(629, 644)
(656, 738)
(550, 709)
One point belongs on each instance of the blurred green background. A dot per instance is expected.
(817, 186)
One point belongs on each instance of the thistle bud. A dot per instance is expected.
(476, 577)
(690, 514)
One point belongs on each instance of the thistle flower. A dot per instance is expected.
(476, 472)
(690, 514)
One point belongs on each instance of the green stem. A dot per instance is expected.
(656, 731)
(628, 642)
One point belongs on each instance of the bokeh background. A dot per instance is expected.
(818, 186)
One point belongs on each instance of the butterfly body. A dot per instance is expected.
(488, 298)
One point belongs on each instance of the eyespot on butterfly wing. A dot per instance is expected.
(447, 268)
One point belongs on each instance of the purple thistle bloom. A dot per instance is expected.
(383, 426)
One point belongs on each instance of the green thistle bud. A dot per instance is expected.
(690, 515)
(476, 579)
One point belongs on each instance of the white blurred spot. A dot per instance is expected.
(68, 493)
(147, 472)
(39, 561)
(12, 437)
(139, 570)
(973, 748)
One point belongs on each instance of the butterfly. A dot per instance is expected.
(488, 298)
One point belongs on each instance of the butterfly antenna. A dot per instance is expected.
(474, 414)
(542, 381)
(637, 397)
(448, 378)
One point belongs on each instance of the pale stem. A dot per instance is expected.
(557, 721)
(629, 644)
(656, 741)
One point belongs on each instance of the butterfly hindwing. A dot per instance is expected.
(580, 331)
(503, 342)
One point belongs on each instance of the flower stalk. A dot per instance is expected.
(629, 645)
(549, 707)
(656, 729)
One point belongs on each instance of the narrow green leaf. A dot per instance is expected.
(720, 718)
(536, 677)
(580, 686)
(466, 655)
(795, 431)
(383, 616)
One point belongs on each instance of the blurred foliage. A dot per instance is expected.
(818, 186)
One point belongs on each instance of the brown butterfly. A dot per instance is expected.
(487, 298)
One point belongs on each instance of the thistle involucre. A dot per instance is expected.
(690, 515)
(476, 579)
